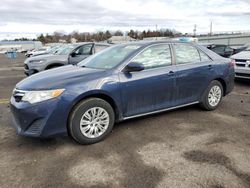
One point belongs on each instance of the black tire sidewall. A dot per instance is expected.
(77, 114)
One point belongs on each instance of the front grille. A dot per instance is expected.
(240, 64)
(241, 60)
(18, 95)
(243, 75)
(26, 67)
(36, 127)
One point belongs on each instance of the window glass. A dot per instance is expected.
(99, 48)
(155, 56)
(65, 50)
(110, 57)
(204, 56)
(186, 54)
(228, 49)
(84, 50)
(219, 49)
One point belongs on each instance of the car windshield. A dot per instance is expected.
(65, 50)
(55, 49)
(110, 57)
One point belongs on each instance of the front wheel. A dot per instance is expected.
(91, 121)
(212, 96)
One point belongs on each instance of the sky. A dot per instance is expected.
(32, 17)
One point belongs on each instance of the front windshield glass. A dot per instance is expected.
(54, 49)
(110, 57)
(65, 50)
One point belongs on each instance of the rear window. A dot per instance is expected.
(186, 54)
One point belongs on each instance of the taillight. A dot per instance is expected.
(232, 63)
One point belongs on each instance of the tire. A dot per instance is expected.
(212, 97)
(83, 121)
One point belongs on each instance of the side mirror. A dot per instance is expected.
(134, 67)
(73, 54)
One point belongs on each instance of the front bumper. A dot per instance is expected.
(243, 72)
(30, 68)
(44, 119)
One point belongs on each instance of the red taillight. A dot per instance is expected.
(232, 63)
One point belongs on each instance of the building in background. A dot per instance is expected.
(120, 39)
(231, 40)
(19, 46)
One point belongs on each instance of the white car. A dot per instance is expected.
(242, 64)
(37, 52)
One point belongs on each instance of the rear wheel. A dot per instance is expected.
(91, 121)
(212, 96)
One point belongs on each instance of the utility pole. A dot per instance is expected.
(156, 27)
(195, 28)
(211, 28)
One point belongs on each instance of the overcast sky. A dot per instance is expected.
(47, 16)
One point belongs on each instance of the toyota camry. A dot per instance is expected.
(121, 82)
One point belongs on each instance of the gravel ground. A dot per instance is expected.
(182, 148)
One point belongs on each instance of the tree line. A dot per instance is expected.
(104, 35)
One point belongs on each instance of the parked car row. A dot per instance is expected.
(121, 82)
(63, 55)
(240, 55)
(242, 63)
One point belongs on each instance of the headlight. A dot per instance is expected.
(39, 96)
(38, 61)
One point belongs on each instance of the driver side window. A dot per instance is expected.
(84, 50)
(155, 56)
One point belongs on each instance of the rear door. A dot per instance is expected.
(153, 88)
(81, 53)
(194, 71)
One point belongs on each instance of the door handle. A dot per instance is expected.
(170, 73)
(210, 67)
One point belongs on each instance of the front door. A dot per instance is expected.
(80, 53)
(153, 88)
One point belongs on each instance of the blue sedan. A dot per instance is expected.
(122, 82)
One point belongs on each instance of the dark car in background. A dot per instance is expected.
(243, 48)
(66, 54)
(221, 49)
(121, 82)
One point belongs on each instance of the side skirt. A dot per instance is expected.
(158, 111)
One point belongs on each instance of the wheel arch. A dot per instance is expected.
(53, 65)
(96, 94)
(223, 83)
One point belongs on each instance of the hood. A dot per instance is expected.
(48, 57)
(242, 55)
(40, 53)
(59, 78)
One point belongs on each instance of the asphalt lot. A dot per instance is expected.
(182, 148)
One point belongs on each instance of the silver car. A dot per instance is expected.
(67, 54)
(242, 64)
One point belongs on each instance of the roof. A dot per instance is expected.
(145, 43)
(82, 43)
